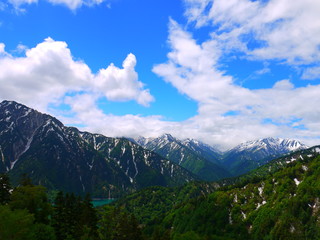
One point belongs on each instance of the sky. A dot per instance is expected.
(223, 72)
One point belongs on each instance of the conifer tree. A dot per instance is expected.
(88, 217)
(59, 216)
(72, 215)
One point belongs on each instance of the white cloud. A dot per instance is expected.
(72, 4)
(48, 72)
(264, 70)
(86, 110)
(227, 113)
(20, 2)
(194, 70)
(283, 85)
(311, 73)
(122, 84)
(21, 48)
(2, 49)
(287, 30)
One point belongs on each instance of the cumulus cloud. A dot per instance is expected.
(48, 76)
(48, 72)
(122, 84)
(192, 68)
(72, 4)
(227, 113)
(86, 111)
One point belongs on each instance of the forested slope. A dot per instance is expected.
(281, 204)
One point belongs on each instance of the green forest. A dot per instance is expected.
(280, 204)
(26, 213)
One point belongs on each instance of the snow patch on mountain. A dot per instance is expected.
(271, 145)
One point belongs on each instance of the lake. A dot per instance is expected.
(102, 201)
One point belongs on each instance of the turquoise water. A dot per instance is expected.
(100, 202)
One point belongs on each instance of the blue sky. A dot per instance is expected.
(220, 71)
(105, 34)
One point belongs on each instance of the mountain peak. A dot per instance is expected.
(12, 104)
(168, 137)
(285, 144)
(252, 154)
(6, 102)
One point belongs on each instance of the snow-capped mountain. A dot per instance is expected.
(271, 145)
(64, 158)
(193, 155)
(252, 154)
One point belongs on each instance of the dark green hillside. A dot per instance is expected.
(281, 204)
(151, 205)
(271, 167)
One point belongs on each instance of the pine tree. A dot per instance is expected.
(88, 217)
(59, 216)
(72, 215)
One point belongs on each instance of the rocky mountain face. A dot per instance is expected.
(194, 155)
(197, 157)
(142, 166)
(206, 151)
(64, 158)
(252, 154)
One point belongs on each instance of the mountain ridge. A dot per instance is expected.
(238, 160)
(65, 158)
(204, 161)
(252, 154)
(193, 155)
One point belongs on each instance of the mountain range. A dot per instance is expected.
(64, 158)
(195, 156)
(252, 154)
(211, 164)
